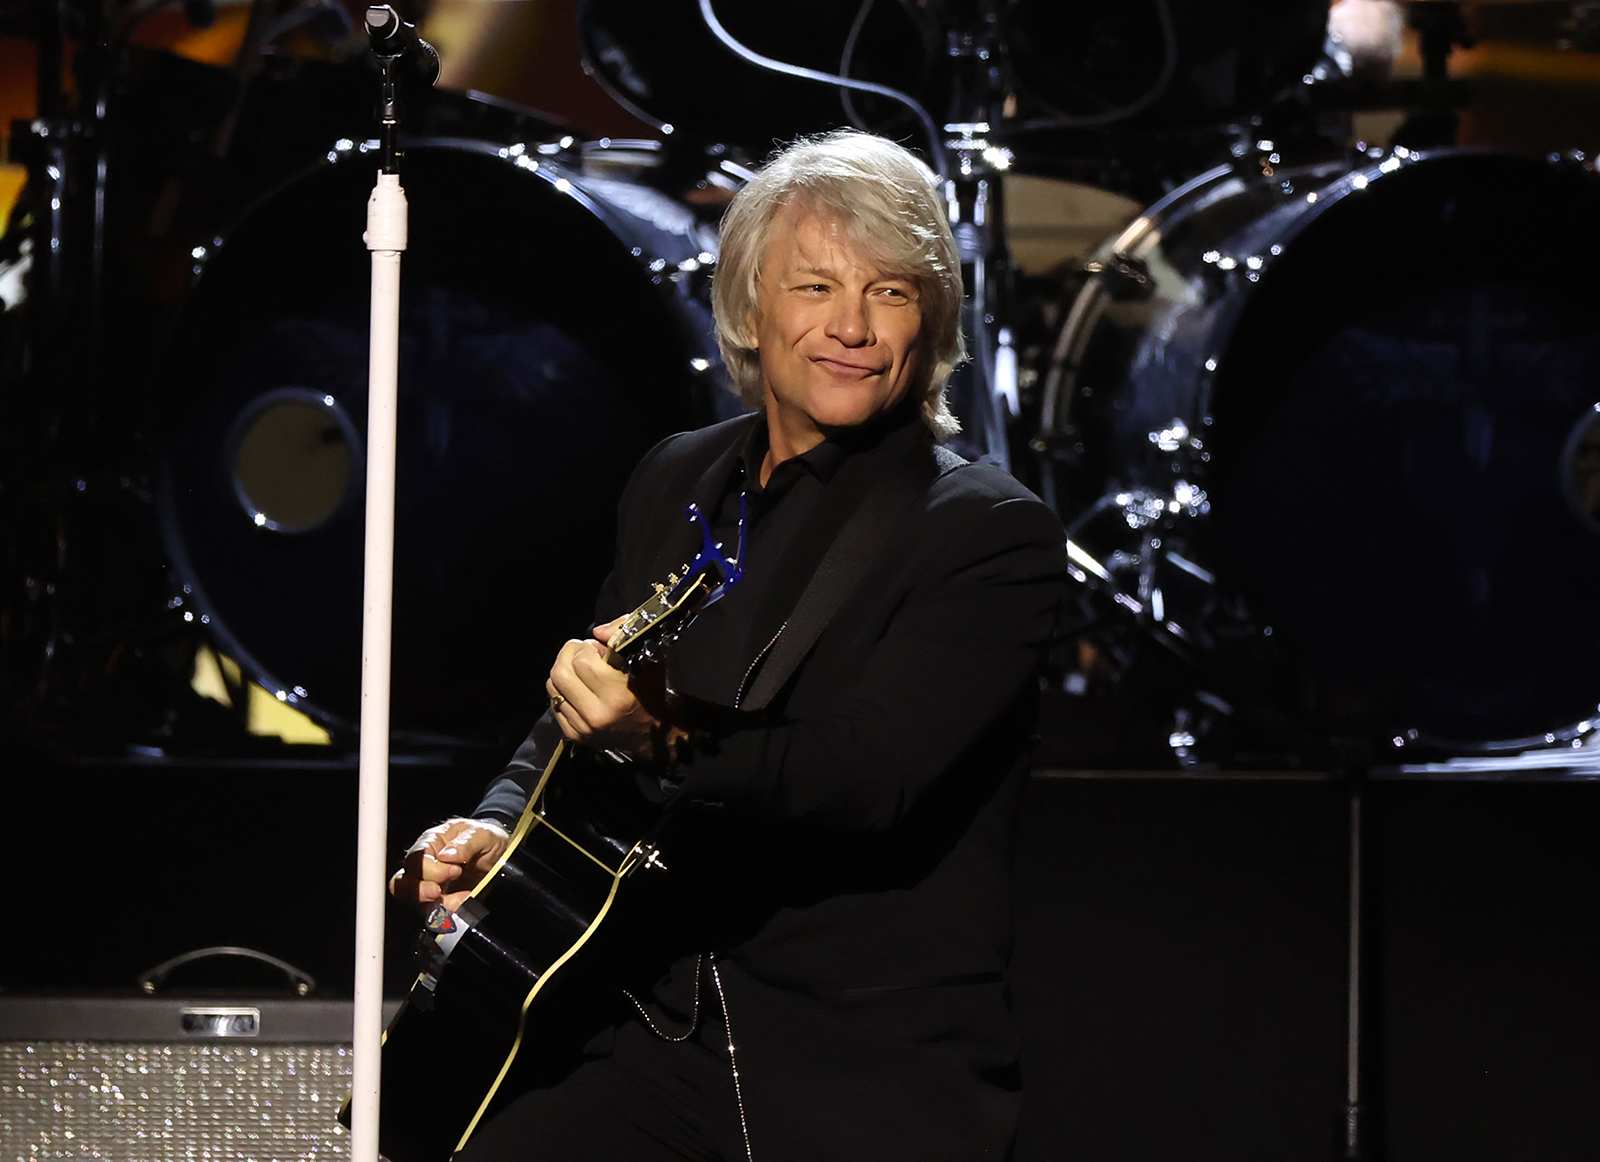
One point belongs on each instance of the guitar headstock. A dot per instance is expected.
(694, 586)
(667, 612)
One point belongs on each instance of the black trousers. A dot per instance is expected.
(647, 1100)
(815, 1084)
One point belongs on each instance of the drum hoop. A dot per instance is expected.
(562, 178)
(216, 627)
(1060, 382)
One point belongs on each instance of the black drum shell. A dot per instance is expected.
(1368, 380)
(554, 325)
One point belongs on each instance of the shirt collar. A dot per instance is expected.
(824, 460)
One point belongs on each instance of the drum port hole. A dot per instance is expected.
(1580, 469)
(294, 455)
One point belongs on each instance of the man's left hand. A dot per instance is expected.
(595, 703)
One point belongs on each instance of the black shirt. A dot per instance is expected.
(789, 525)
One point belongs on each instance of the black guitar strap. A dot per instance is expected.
(842, 568)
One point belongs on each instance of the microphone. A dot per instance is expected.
(391, 37)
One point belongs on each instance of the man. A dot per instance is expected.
(838, 892)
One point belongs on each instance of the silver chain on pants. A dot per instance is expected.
(705, 961)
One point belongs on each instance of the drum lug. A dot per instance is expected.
(1126, 279)
(1220, 270)
(1574, 159)
(1063, 446)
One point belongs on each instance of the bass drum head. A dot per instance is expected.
(539, 358)
(1404, 443)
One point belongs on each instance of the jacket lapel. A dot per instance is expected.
(842, 569)
(678, 540)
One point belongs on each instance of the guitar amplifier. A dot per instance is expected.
(150, 1079)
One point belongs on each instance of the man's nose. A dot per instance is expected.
(848, 322)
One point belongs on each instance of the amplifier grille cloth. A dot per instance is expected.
(140, 1102)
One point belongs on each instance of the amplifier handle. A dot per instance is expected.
(303, 983)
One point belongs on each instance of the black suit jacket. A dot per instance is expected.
(847, 851)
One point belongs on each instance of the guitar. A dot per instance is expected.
(526, 924)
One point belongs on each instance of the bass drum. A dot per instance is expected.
(1330, 435)
(554, 324)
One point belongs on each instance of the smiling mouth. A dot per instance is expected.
(851, 370)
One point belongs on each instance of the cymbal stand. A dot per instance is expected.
(984, 391)
(51, 402)
(50, 137)
(68, 405)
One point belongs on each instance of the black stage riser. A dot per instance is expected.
(1179, 971)
(1181, 956)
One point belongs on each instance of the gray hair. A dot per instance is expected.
(888, 203)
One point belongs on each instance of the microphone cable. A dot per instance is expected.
(936, 154)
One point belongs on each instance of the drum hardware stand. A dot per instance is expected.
(1358, 1125)
(394, 44)
(1441, 29)
(975, 205)
(56, 369)
(976, 209)
(70, 444)
(47, 145)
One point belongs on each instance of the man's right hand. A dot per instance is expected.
(447, 862)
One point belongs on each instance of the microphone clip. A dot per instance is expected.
(393, 39)
(395, 47)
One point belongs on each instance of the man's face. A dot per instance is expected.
(837, 337)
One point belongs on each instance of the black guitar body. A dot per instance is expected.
(520, 964)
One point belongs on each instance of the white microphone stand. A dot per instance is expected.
(392, 41)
